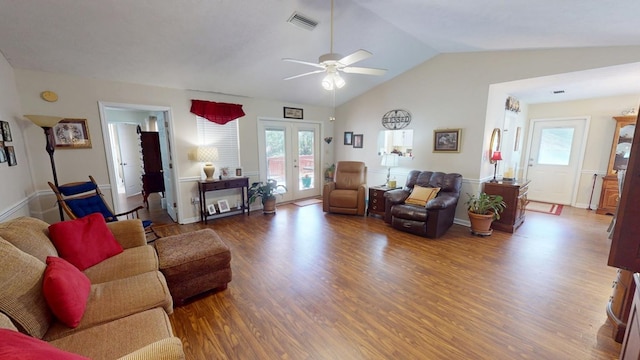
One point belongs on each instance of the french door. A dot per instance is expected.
(554, 159)
(290, 154)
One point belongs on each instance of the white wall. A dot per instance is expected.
(79, 97)
(17, 186)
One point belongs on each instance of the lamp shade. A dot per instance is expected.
(44, 120)
(389, 160)
(207, 154)
(496, 156)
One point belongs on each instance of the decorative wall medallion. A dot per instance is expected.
(49, 96)
(396, 119)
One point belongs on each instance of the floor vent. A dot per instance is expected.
(302, 21)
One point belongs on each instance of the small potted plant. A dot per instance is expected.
(328, 173)
(483, 209)
(267, 191)
(306, 181)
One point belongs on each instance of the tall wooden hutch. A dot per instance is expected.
(618, 159)
(625, 240)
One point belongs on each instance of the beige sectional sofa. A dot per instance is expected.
(127, 311)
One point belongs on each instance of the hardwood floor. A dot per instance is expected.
(310, 285)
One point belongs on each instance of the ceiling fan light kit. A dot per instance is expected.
(332, 64)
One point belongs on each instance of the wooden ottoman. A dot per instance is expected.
(194, 263)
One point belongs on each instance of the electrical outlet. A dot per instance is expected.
(195, 200)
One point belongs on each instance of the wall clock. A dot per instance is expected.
(396, 119)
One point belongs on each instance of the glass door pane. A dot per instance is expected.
(276, 155)
(306, 156)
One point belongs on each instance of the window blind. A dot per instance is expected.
(225, 138)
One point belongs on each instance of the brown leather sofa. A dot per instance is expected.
(347, 193)
(436, 217)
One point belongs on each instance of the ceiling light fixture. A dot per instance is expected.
(332, 81)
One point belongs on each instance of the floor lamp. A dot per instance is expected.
(47, 123)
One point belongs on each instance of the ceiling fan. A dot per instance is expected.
(333, 64)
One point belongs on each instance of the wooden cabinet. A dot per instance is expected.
(619, 303)
(631, 345)
(618, 160)
(376, 200)
(515, 196)
(152, 174)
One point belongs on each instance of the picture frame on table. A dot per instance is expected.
(223, 205)
(348, 138)
(72, 134)
(211, 209)
(293, 113)
(358, 141)
(447, 140)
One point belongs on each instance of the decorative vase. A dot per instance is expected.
(481, 224)
(269, 205)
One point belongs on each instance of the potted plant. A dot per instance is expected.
(328, 173)
(267, 191)
(306, 181)
(483, 209)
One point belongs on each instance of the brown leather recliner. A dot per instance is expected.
(433, 219)
(346, 194)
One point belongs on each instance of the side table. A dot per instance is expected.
(376, 204)
(205, 186)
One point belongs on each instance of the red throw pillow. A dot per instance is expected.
(66, 290)
(18, 346)
(84, 242)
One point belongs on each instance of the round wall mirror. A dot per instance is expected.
(495, 142)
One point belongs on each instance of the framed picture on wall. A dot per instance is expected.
(11, 155)
(293, 113)
(3, 153)
(72, 134)
(6, 131)
(358, 140)
(447, 140)
(348, 138)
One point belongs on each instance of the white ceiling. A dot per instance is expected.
(236, 47)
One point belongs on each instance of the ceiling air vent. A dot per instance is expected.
(302, 21)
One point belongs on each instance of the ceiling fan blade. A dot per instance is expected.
(355, 57)
(305, 74)
(364, 70)
(304, 62)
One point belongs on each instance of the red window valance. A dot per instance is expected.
(219, 113)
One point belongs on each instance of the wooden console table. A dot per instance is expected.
(205, 186)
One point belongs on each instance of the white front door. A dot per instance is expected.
(554, 159)
(290, 154)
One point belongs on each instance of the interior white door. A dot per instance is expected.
(290, 154)
(130, 158)
(167, 164)
(554, 159)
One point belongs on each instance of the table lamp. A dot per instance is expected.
(207, 155)
(495, 157)
(389, 160)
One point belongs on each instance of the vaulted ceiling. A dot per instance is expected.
(236, 47)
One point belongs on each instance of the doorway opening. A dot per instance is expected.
(124, 129)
